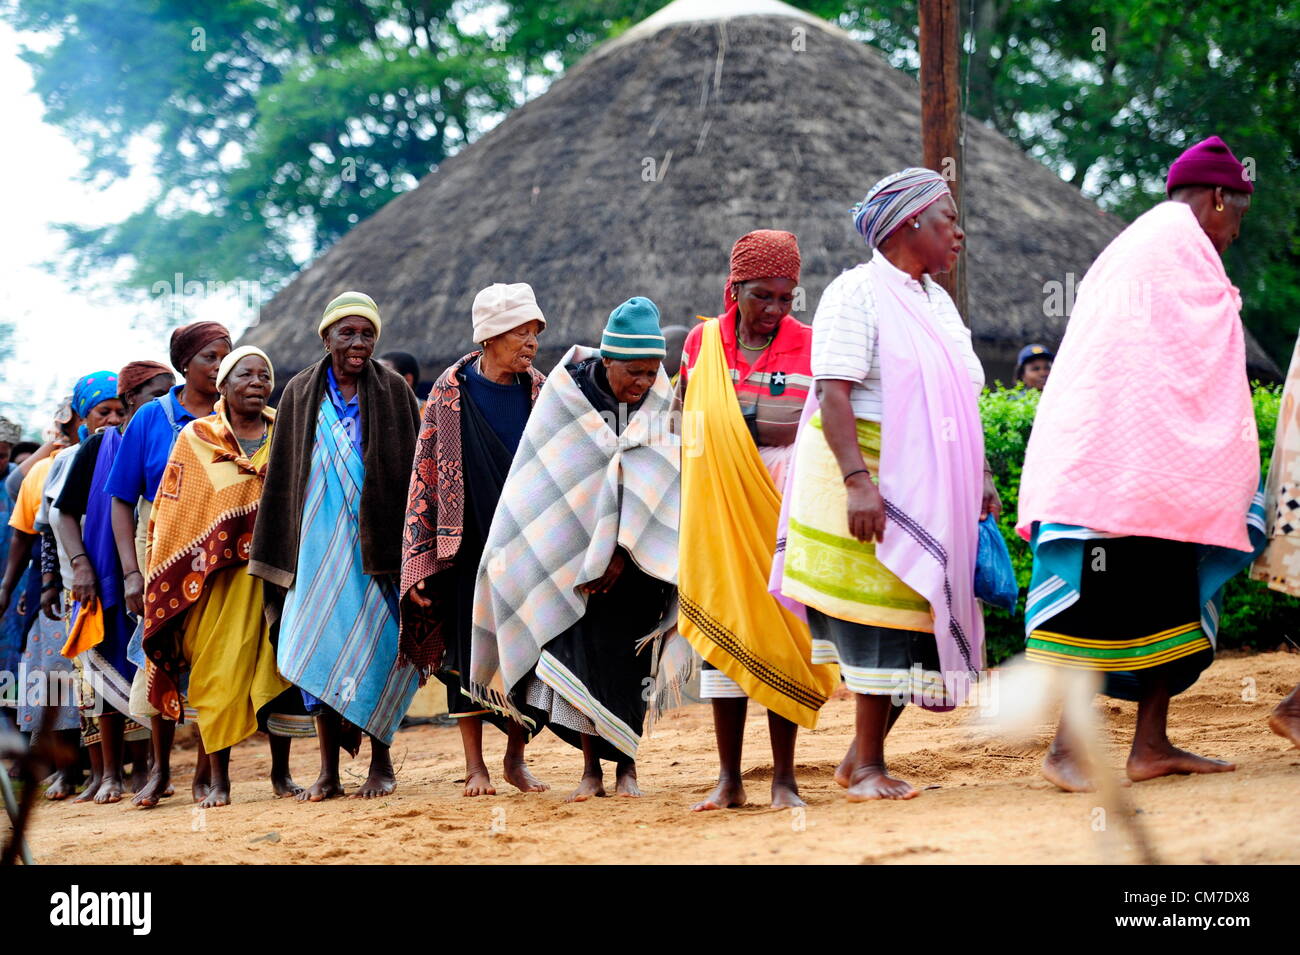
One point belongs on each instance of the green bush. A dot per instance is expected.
(1252, 613)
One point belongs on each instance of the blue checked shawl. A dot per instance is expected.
(575, 491)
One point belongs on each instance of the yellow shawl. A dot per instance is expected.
(730, 509)
(202, 521)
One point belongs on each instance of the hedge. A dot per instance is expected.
(1252, 613)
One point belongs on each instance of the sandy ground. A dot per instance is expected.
(983, 801)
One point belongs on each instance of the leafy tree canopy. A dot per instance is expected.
(281, 125)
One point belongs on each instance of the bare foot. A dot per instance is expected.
(92, 787)
(380, 782)
(1169, 760)
(1062, 769)
(590, 786)
(218, 795)
(1285, 719)
(844, 771)
(158, 786)
(325, 787)
(139, 777)
(110, 790)
(625, 784)
(199, 789)
(517, 775)
(478, 782)
(282, 785)
(64, 785)
(872, 782)
(785, 794)
(728, 794)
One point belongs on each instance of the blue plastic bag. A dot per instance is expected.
(995, 578)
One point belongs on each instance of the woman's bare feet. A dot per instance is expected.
(92, 788)
(728, 794)
(873, 782)
(325, 787)
(589, 787)
(158, 786)
(785, 794)
(65, 784)
(381, 782)
(517, 775)
(218, 795)
(282, 785)
(478, 782)
(1285, 718)
(844, 771)
(625, 782)
(1065, 771)
(110, 790)
(1151, 762)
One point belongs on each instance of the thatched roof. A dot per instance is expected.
(755, 115)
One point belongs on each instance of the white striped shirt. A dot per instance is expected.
(846, 336)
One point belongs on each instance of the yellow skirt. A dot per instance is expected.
(232, 663)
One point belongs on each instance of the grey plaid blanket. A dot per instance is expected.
(575, 491)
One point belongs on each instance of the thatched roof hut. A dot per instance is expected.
(635, 172)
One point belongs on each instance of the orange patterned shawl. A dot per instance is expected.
(202, 521)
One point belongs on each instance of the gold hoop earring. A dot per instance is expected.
(1218, 207)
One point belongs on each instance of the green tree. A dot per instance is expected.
(280, 125)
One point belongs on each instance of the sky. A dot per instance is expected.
(62, 332)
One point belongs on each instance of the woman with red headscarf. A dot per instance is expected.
(744, 378)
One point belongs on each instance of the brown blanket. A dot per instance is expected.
(390, 416)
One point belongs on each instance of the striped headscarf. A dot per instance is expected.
(762, 254)
(894, 200)
(89, 391)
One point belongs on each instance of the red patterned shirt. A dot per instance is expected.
(773, 382)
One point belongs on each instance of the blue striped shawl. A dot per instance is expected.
(338, 634)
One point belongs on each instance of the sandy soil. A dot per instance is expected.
(983, 801)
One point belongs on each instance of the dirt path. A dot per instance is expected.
(985, 802)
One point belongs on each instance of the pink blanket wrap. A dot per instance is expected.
(1146, 425)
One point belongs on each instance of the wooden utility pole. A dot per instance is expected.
(941, 116)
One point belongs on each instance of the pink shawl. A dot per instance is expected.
(931, 472)
(1146, 426)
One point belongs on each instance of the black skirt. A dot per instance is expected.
(595, 664)
(1137, 619)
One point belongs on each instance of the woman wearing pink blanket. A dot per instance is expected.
(1139, 493)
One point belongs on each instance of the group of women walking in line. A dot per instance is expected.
(799, 507)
